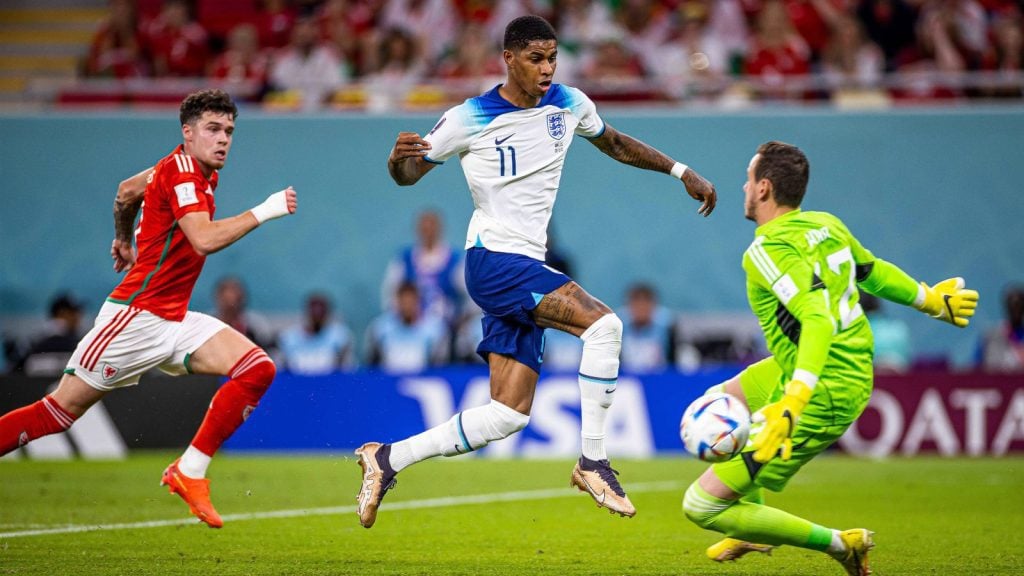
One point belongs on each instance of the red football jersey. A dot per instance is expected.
(167, 266)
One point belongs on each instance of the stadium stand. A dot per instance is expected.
(43, 41)
(662, 52)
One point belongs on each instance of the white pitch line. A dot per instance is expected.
(545, 494)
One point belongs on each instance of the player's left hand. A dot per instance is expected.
(950, 301)
(701, 190)
(123, 254)
(779, 421)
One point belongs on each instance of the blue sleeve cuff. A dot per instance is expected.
(431, 160)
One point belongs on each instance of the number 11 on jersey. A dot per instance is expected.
(501, 159)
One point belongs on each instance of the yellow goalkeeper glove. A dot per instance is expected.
(949, 301)
(779, 421)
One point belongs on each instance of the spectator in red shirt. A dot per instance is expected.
(242, 61)
(777, 51)
(813, 20)
(351, 25)
(116, 47)
(274, 23)
(177, 44)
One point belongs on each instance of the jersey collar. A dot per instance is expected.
(778, 221)
(495, 99)
(214, 178)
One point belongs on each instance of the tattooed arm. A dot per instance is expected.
(406, 164)
(126, 207)
(629, 150)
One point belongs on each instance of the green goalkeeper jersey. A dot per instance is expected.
(803, 271)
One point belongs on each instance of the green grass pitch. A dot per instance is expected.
(930, 515)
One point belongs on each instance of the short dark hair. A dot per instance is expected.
(193, 106)
(525, 29)
(786, 167)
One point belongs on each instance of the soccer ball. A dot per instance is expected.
(715, 427)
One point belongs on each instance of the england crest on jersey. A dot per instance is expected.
(556, 125)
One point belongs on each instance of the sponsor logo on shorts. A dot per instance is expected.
(245, 413)
(23, 439)
(108, 372)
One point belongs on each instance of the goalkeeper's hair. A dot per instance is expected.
(786, 167)
(525, 29)
(213, 100)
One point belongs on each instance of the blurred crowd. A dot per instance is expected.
(427, 320)
(387, 54)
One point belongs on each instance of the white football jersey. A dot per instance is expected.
(512, 158)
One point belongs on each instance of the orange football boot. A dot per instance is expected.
(195, 492)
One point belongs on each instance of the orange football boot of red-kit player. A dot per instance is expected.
(194, 491)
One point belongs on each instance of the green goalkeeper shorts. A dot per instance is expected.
(819, 427)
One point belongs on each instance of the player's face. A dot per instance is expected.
(208, 139)
(532, 69)
(750, 190)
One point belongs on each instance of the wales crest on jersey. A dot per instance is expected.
(556, 125)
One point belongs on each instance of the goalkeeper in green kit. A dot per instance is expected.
(803, 273)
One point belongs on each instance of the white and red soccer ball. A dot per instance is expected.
(715, 427)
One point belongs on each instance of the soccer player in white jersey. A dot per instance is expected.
(512, 143)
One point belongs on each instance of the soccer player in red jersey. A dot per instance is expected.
(145, 323)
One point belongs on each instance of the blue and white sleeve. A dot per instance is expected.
(590, 123)
(448, 137)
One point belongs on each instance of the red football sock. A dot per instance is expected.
(25, 424)
(231, 405)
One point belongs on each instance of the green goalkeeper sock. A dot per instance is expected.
(753, 522)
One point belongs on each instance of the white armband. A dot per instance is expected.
(678, 169)
(275, 206)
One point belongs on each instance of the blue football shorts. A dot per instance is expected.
(507, 287)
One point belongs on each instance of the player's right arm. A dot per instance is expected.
(779, 268)
(127, 203)
(406, 163)
(413, 156)
(208, 236)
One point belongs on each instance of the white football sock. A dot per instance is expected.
(466, 431)
(194, 463)
(837, 546)
(599, 373)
